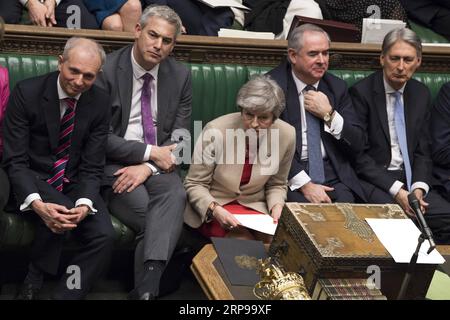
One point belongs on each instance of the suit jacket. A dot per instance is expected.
(369, 99)
(174, 105)
(4, 95)
(219, 181)
(440, 137)
(32, 132)
(352, 136)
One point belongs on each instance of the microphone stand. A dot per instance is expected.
(425, 233)
(411, 267)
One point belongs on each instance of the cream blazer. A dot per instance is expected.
(217, 164)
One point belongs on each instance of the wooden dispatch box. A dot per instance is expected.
(335, 241)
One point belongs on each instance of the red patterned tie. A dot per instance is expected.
(62, 152)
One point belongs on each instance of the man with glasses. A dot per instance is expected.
(319, 107)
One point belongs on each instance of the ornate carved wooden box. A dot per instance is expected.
(335, 241)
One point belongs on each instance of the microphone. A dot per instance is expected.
(415, 205)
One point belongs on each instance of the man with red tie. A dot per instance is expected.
(55, 134)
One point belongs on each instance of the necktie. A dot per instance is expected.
(248, 165)
(399, 117)
(146, 110)
(62, 152)
(315, 161)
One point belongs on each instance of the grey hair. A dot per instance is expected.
(163, 12)
(401, 34)
(74, 41)
(295, 40)
(261, 94)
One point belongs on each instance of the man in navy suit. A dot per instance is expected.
(55, 132)
(395, 112)
(319, 107)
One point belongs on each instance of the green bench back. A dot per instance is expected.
(214, 85)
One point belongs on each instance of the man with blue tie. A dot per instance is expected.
(55, 133)
(151, 109)
(327, 130)
(395, 113)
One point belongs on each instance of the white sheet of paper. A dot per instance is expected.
(399, 237)
(224, 3)
(232, 33)
(374, 30)
(259, 222)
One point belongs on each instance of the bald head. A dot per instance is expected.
(79, 65)
(88, 46)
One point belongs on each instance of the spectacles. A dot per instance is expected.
(262, 118)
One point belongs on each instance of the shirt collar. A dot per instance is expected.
(389, 90)
(62, 94)
(138, 71)
(301, 85)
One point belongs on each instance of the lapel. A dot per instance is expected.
(292, 113)
(81, 119)
(125, 87)
(327, 139)
(380, 104)
(50, 106)
(324, 88)
(163, 97)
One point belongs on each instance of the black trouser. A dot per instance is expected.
(441, 22)
(4, 188)
(94, 234)
(11, 11)
(341, 192)
(154, 210)
(198, 18)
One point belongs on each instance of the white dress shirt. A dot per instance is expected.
(335, 129)
(26, 205)
(396, 154)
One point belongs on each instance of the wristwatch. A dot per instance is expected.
(328, 116)
(210, 211)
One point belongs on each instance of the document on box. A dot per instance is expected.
(259, 222)
(400, 237)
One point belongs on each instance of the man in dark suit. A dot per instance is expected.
(319, 107)
(55, 133)
(395, 112)
(440, 137)
(49, 13)
(151, 102)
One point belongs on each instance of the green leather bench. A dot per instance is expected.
(214, 90)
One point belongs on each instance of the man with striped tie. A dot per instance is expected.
(394, 111)
(56, 128)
